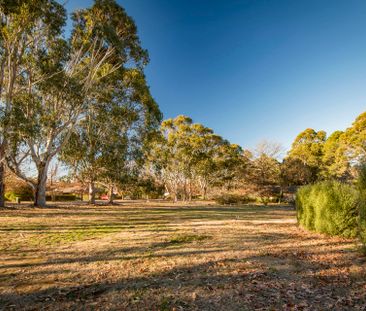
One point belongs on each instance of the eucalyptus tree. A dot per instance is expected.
(335, 160)
(103, 40)
(188, 156)
(308, 147)
(168, 154)
(204, 145)
(265, 166)
(355, 140)
(27, 29)
(232, 163)
(105, 146)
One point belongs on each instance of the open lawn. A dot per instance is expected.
(160, 256)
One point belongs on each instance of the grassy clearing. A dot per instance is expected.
(164, 257)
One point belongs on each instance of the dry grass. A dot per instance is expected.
(153, 256)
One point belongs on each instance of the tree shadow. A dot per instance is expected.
(228, 284)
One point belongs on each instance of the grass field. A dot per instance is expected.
(160, 256)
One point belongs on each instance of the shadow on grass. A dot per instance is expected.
(274, 279)
(228, 284)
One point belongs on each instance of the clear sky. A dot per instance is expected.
(256, 69)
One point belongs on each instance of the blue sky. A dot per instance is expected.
(254, 70)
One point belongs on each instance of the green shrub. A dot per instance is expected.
(362, 221)
(361, 183)
(23, 196)
(232, 199)
(305, 207)
(328, 207)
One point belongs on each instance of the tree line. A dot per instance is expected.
(190, 159)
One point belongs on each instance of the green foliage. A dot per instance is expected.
(22, 195)
(362, 225)
(308, 148)
(91, 84)
(361, 183)
(143, 189)
(355, 138)
(187, 155)
(335, 161)
(328, 207)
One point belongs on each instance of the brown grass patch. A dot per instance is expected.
(160, 256)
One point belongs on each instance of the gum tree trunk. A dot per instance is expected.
(91, 192)
(190, 191)
(204, 193)
(2, 185)
(110, 195)
(40, 189)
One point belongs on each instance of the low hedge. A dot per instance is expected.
(330, 207)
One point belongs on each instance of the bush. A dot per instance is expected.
(361, 183)
(23, 196)
(362, 222)
(231, 199)
(329, 207)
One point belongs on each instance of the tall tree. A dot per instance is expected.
(168, 154)
(105, 144)
(104, 39)
(27, 28)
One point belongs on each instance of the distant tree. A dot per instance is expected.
(231, 165)
(335, 160)
(308, 148)
(355, 140)
(294, 172)
(265, 165)
(109, 139)
(187, 155)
